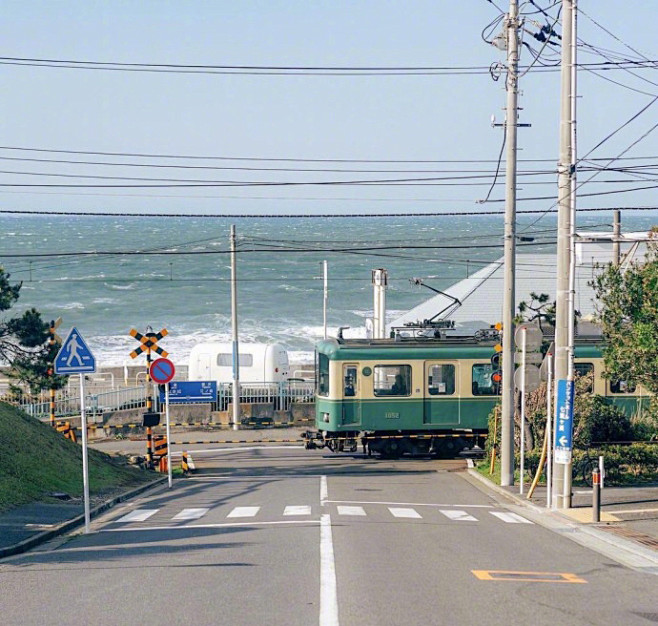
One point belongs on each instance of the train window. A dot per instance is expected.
(441, 380)
(349, 380)
(482, 385)
(621, 386)
(323, 375)
(392, 380)
(586, 369)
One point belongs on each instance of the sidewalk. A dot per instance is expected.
(27, 526)
(629, 518)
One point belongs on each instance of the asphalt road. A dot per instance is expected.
(280, 535)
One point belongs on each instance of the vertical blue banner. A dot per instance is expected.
(564, 421)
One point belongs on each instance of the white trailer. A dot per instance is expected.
(259, 362)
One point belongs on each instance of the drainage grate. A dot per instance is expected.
(645, 540)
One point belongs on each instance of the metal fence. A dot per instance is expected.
(281, 395)
(67, 404)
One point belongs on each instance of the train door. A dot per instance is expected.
(351, 403)
(442, 393)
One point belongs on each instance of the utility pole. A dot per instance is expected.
(325, 296)
(380, 283)
(616, 234)
(234, 326)
(564, 377)
(509, 303)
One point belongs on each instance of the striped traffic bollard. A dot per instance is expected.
(184, 466)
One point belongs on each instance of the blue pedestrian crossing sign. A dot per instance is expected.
(74, 357)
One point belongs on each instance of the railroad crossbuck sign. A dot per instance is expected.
(74, 357)
(149, 342)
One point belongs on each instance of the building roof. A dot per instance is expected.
(481, 294)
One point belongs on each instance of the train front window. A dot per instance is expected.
(441, 380)
(482, 381)
(323, 375)
(349, 380)
(392, 380)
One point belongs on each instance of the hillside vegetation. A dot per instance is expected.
(36, 461)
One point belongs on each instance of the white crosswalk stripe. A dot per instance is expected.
(244, 511)
(297, 510)
(404, 512)
(351, 510)
(138, 515)
(189, 514)
(458, 516)
(510, 518)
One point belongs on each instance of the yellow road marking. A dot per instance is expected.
(535, 577)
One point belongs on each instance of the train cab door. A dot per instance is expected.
(442, 405)
(351, 400)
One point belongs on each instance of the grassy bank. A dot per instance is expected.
(36, 461)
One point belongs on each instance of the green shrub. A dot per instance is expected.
(600, 422)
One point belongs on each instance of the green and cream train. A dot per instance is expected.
(421, 395)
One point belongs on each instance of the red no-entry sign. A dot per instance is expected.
(162, 371)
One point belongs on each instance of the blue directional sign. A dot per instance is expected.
(74, 357)
(194, 391)
(564, 424)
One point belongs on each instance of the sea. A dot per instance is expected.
(106, 275)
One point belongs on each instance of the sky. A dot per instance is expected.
(267, 122)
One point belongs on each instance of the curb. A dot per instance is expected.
(64, 527)
(637, 556)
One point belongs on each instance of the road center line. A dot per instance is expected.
(328, 596)
(324, 490)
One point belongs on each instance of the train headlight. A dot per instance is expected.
(325, 417)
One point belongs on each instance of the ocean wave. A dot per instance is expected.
(128, 287)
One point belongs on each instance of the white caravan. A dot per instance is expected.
(259, 362)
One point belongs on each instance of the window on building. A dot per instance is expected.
(392, 380)
(482, 383)
(441, 379)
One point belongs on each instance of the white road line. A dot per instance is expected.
(404, 512)
(188, 514)
(138, 515)
(244, 511)
(351, 510)
(324, 490)
(510, 518)
(328, 595)
(297, 510)
(193, 526)
(628, 511)
(458, 516)
(464, 506)
(198, 451)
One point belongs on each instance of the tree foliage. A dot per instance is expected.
(628, 313)
(24, 344)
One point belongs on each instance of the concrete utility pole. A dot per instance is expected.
(380, 283)
(616, 232)
(325, 297)
(234, 326)
(509, 303)
(566, 189)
